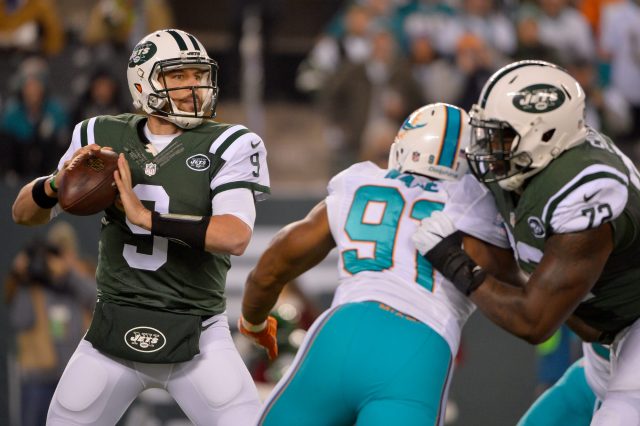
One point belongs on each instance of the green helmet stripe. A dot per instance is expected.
(178, 38)
(196, 46)
(83, 133)
(507, 69)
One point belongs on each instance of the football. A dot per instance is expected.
(87, 187)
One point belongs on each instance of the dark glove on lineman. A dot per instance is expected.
(441, 244)
(450, 259)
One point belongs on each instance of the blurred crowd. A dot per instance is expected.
(50, 292)
(380, 59)
(54, 76)
(376, 61)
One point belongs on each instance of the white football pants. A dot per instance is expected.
(214, 388)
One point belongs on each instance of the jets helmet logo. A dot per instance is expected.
(539, 98)
(145, 339)
(142, 53)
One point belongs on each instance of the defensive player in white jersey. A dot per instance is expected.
(160, 319)
(570, 202)
(383, 353)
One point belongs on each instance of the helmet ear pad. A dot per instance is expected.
(156, 102)
(166, 50)
(431, 142)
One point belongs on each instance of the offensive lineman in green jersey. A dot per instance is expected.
(570, 202)
(187, 188)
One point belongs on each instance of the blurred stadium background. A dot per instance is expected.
(325, 83)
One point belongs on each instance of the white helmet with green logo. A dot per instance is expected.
(167, 50)
(529, 112)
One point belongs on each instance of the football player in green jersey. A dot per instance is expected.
(187, 190)
(570, 202)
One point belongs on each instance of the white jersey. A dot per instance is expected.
(372, 214)
(472, 209)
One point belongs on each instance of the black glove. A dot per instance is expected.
(450, 259)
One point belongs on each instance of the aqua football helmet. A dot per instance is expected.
(529, 113)
(164, 51)
(431, 142)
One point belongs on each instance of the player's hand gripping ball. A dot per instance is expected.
(87, 187)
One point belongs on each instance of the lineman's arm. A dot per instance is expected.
(294, 250)
(501, 264)
(497, 261)
(568, 270)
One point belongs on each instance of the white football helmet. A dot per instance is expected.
(431, 142)
(167, 50)
(529, 112)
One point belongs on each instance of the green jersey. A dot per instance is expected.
(137, 268)
(585, 187)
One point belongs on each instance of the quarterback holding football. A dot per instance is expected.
(187, 189)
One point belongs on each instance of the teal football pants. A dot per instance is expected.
(365, 364)
(568, 402)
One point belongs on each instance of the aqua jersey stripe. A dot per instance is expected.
(601, 350)
(451, 138)
(178, 38)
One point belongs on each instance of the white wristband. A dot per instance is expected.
(254, 328)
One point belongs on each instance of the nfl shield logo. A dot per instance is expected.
(415, 156)
(150, 169)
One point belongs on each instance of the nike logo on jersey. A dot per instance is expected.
(253, 145)
(587, 198)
